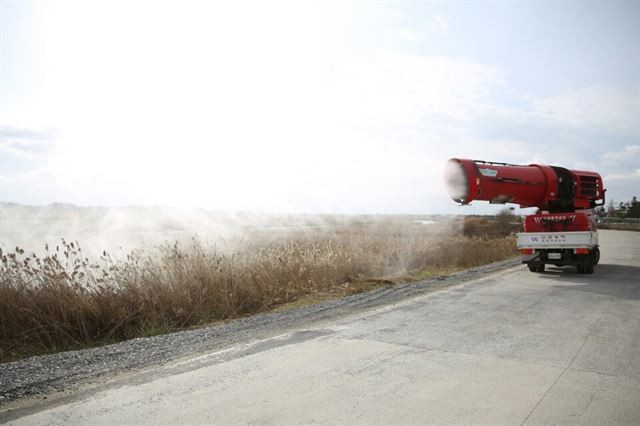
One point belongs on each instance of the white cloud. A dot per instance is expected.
(631, 176)
(630, 155)
(402, 89)
(28, 143)
(391, 13)
(622, 185)
(438, 24)
(621, 171)
(604, 108)
(411, 35)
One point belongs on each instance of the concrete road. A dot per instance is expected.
(512, 348)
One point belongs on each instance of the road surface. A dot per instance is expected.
(514, 347)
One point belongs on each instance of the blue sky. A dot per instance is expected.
(309, 107)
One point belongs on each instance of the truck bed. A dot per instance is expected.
(557, 240)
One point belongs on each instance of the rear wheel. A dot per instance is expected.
(588, 269)
(580, 269)
(595, 253)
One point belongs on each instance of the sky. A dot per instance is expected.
(316, 107)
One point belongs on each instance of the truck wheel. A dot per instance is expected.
(536, 267)
(580, 269)
(588, 269)
(595, 253)
(533, 267)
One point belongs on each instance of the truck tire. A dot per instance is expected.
(580, 269)
(536, 267)
(588, 269)
(595, 253)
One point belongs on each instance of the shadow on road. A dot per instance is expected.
(621, 281)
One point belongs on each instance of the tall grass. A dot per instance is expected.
(61, 299)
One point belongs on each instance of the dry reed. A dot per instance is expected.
(62, 300)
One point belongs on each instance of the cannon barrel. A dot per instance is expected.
(548, 187)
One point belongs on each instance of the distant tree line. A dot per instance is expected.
(622, 209)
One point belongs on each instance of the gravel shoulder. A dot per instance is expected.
(61, 374)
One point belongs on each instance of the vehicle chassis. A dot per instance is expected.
(567, 257)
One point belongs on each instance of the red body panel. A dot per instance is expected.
(535, 185)
(589, 186)
(558, 222)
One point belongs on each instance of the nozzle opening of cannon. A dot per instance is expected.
(456, 181)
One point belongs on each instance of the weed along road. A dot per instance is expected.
(511, 347)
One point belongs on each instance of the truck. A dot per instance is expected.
(562, 232)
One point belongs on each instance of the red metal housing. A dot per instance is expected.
(547, 187)
(559, 222)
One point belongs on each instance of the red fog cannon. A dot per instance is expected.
(563, 233)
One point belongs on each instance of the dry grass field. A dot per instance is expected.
(61, 299)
